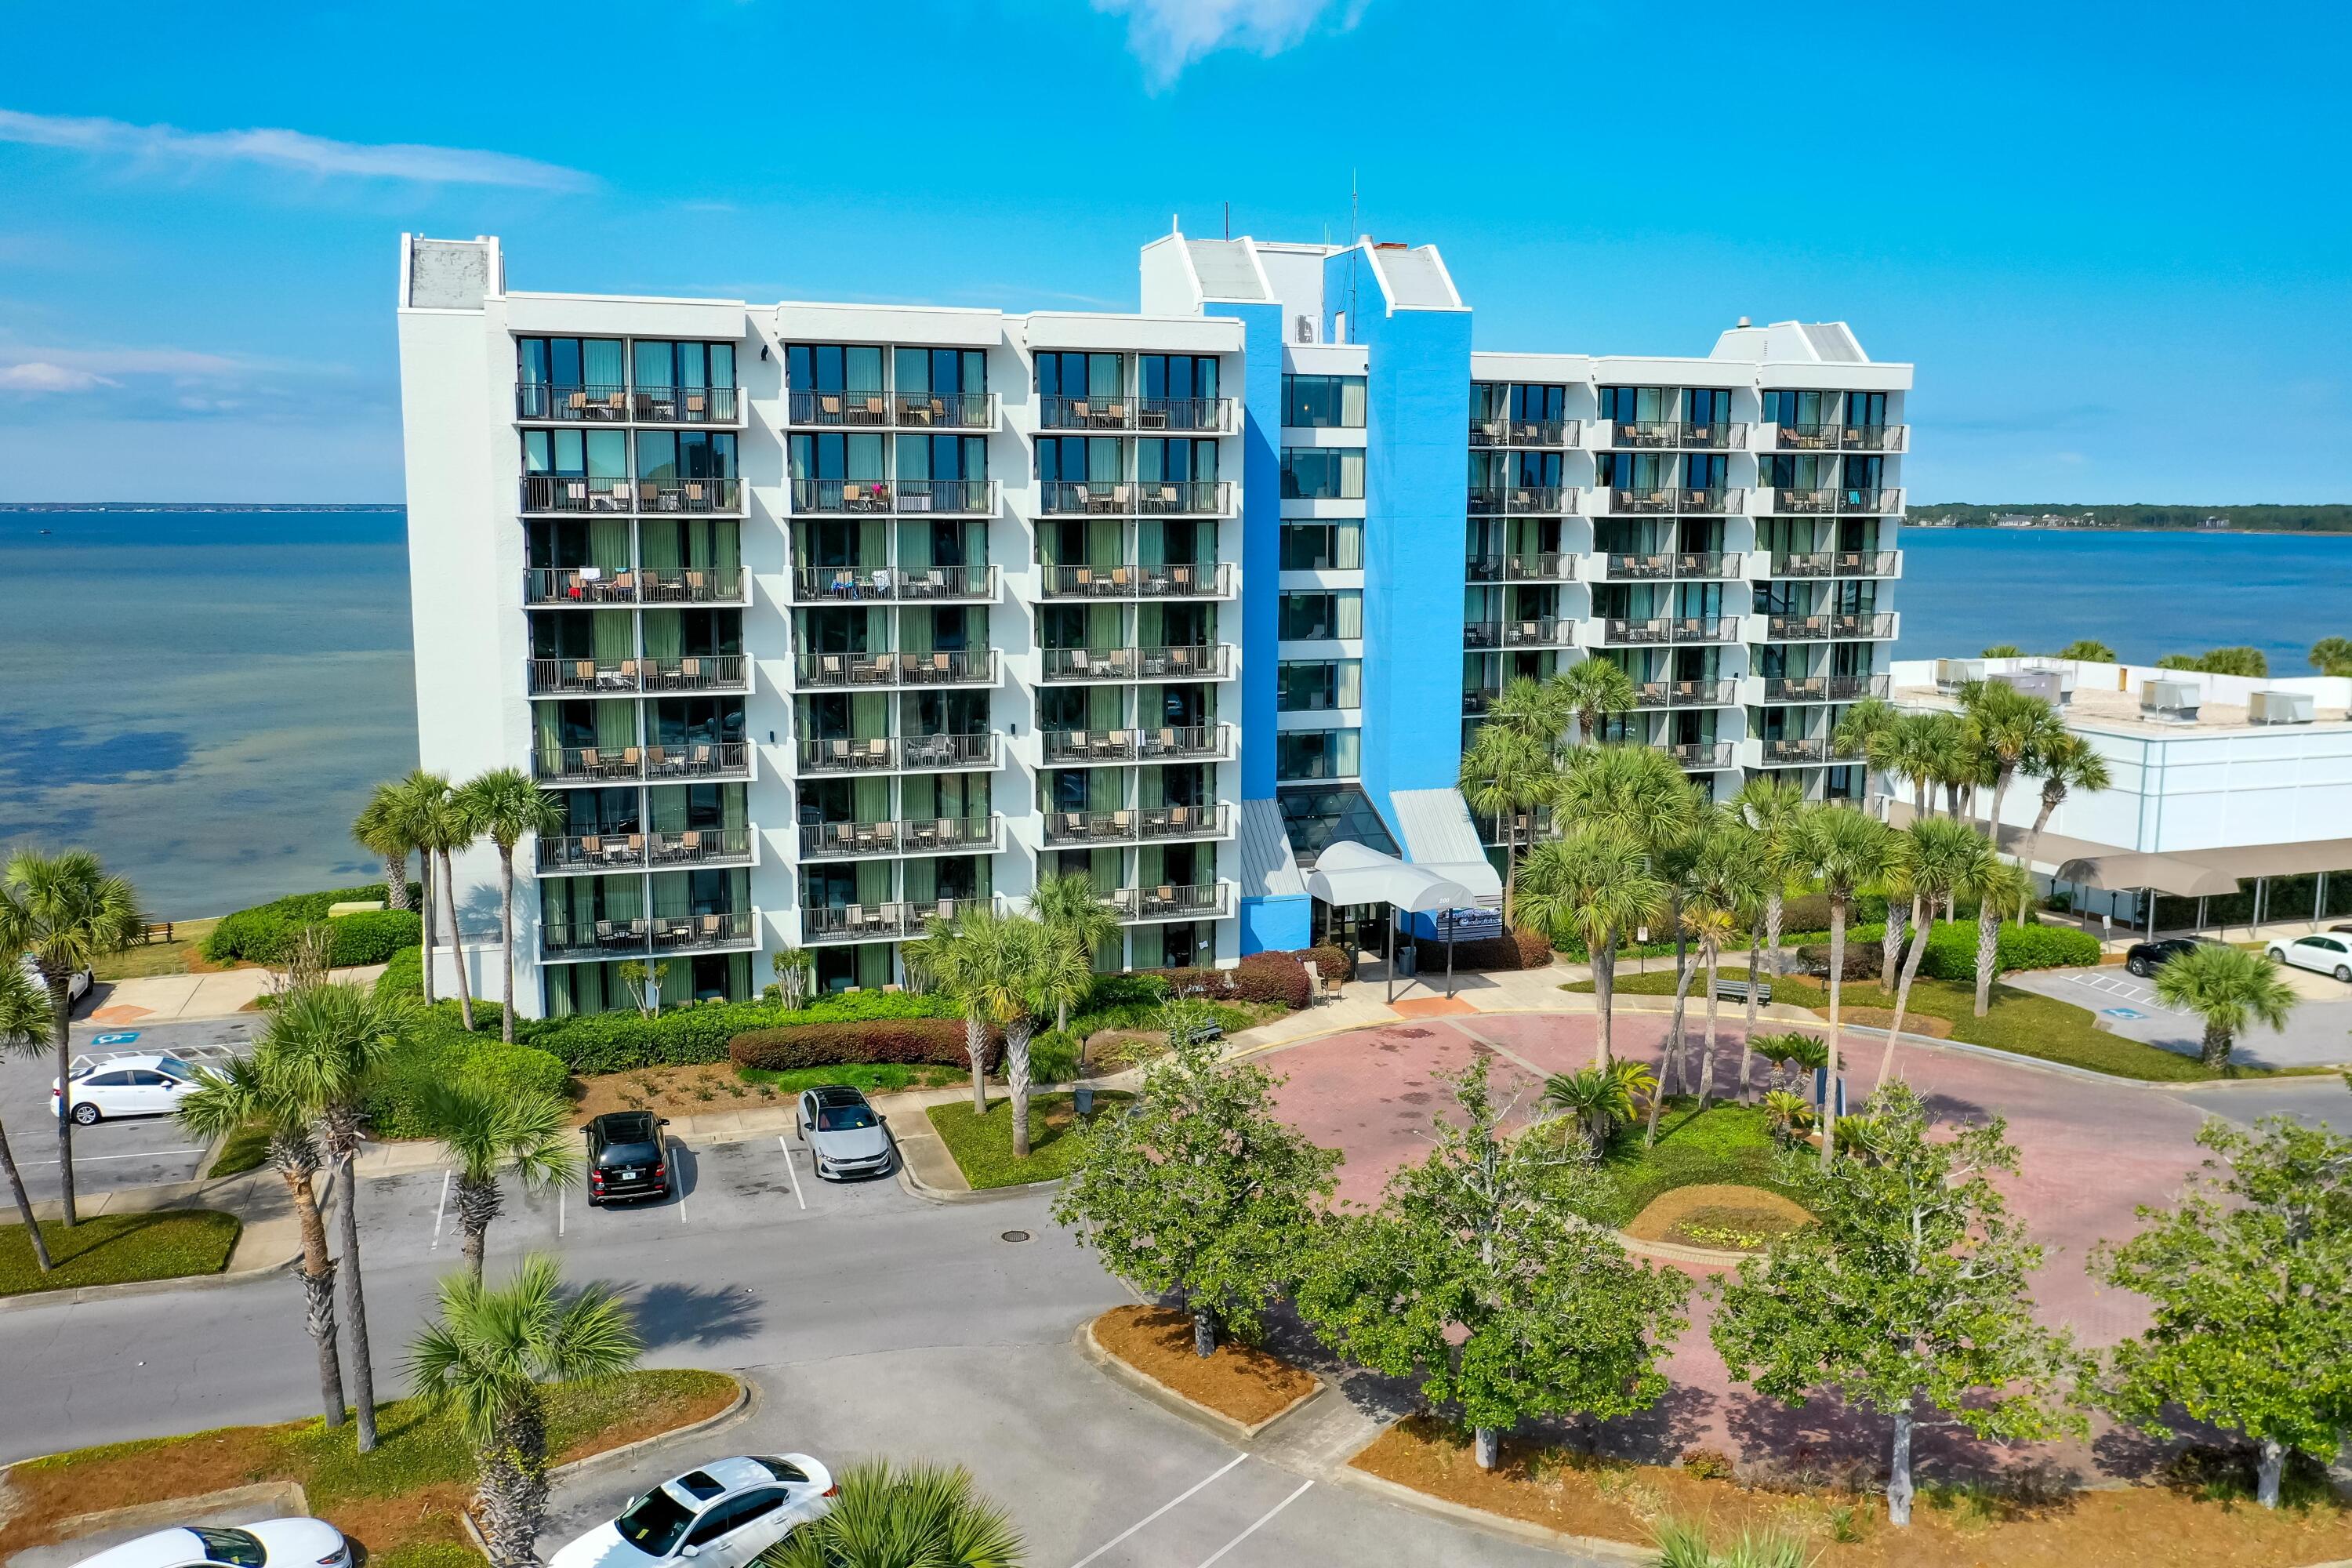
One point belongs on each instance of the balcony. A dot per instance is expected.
(1477, 699)
(879, 922)
(1826, 627)
(695, 762)
(1084, 748)
(1644, 434)
(822, 756)
(1211, 661)
(558, 586)
(1544, 631)
(1699, 756)
(858, 584)
(1823, 688)
(1151, 824)
(634, 851)
(1521, 500)
(906, 410)
(1154, 498)
(1482, 634)
(1807, 752)
(1208, 901)
(1674, 499)
(1874, 438)
(657, 937)
(1667, 566)
(1207, 580)
(1206, 415)
(876, 671)
(966, 498)
(593, 677)
(1838, 563)
(1618, 632)
(1718, 693)
(608, 405)
(1814, 437)
(931, 835)
(1536, 433)
(579, 493)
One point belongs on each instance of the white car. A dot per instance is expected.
(721, 1515)
(2328, 953)
(272, 1543)
(78, 983)
(142, 1085)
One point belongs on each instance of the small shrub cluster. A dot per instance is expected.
(1053, 1057)
(443, 1052)
(938, 1042)
(404, 974)
(1952, 950)
(1514, 948)
(1862, 956)
(1278, 979)
(592, 1043)
(373, 937)
(264, 933)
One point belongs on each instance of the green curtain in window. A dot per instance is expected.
(921, 795)
(874, 964)
(698, 544)
(984, 879)
(666, 808)
(616, 725)
(674, 979)
(869, 715)
(610, 636)
(665, 634)
(1150, 866)
(1151, 543)
(861, 369)
(726, 544)
(739, 977)
(1151, 627)
(546, 735)
(1106, 707)
(608, 544)
(1102, 869)
(1106, 375)
(878, 628)
(874, 882)
(624, 897)
(559, 989)
(1151, 787)
(600, 362)
(915, 625)
(1106, 542)
(733, 809)
(555, 901)
(872, 543)
(1350, 614)
(673, 896)
(1103, 627)
(608, 455)
(922, 880)
(1105, 790)
(870, 798)
(914, 546)
(865, 458)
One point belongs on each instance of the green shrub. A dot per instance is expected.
(1274, 978)
(404, 973)
(938, 1042)
(442, 1052)
(372, 936)
(593, 1043)
(1952, 949)
(262, 934)
(1053, 1057)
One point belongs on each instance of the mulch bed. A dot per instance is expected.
(1726, 1217)
(1243, 1384)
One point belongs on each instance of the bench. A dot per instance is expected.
(1736, 990)
(153, 931)
(1200, 1033)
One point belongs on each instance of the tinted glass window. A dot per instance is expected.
(230, 1546)
(654, 1523)
(783, 1470)
(717, 1522)
(843, 1119)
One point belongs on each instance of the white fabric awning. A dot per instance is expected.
(1352, 873)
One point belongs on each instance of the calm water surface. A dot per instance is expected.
(207, 699)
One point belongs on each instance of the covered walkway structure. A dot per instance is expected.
(1348, 873)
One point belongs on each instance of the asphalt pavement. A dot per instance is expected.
(137, 1152)
(2318, 1032)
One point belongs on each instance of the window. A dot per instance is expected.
(234, 1547)
(1316, 754)
(1633, 405)
(591, 364)
(594, 454)
(1532, 403)
(1865, 409)
(943, 373)
(833, 367)
(1176, 462)
(1706, 405)
(654, 1522)
(1316, 686)
(1322, 546)
(1323, 402)
(1179, 376)
(1794, 409)
(1322, 473)
(1487, 400)
(659, 365)
(685, 454)
(1076, 376)
(1313, 616)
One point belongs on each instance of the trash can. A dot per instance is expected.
(1408, 959)
(1082, 1100)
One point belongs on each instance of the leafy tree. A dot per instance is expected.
(488, 1359)
(1600, 1100)
(492, 1133)
(795, 969)
(380, 830)
(1201, 1190)
(254, 1091)
(1938, 855)
(420, 811)
(1912, 1283)
(1848, 851)
(2332, 655)
(1483, 1274)
(2251, 1279)
(2065, 763)
(1593, 688)
(2231, 989)
(921, 1516)
(24, 1029)
(63, 910)
(2088, 650)
(2004, 650)
(504, 805)
(1596, 884)
(1074, 915)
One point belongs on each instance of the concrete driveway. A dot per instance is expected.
(2318, 1032)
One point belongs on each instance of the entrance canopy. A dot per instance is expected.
(1351, 873)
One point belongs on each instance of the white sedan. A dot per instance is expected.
(721, 1515)
(2327, 953)
(272, 1543)
(144, 1085)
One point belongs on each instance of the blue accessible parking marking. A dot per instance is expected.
(120, 1038)
(2123, 1012)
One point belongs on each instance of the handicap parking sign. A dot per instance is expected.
(120, 1038)
(2123, 1012)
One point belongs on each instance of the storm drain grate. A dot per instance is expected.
(1016, 1235)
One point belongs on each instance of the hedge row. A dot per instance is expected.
(264, 933)
(1952, 950)
(1514, 948)
(443, 1052)
(937, 1042)
(592, 1043)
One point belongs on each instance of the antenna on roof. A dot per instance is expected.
(1229, 220)
(1175, 223)
(1354, 232)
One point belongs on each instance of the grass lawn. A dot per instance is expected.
(2024, 1022)
(873, 1078)
(246, 1148)
(400, 1502)
(113, 1249)
(183, 954)
(983, 1146)
(1726, 1144)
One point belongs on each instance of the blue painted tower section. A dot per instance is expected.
(1416, 491)
(1261, 403)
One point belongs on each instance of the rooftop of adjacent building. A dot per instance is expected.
(2114, 698)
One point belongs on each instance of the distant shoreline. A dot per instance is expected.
(194, 507)
(1913, 527)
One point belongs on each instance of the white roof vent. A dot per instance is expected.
(2279, 708)
(2176, 701)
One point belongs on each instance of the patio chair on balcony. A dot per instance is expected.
(849, 917)
(1079, 743)
(605, 935)
(689, 844)
(1073, 825)
(689, 672)
(658, 759)
(885, 836)
(1121, 582)
(583, 672)
(845, 837)
(829, 668)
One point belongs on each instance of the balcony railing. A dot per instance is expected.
(1211, 661)
(862, 584)
(1825, 626)
(1633, 568)
(1669, 564)
(577, 492)
(879, 922)
(1872, 438)
(866, 406)
(659, 935)
(1068, 747)
(1538, 566)
(1699, 754)
(1482, 634)
(1514, 500)
(958, 496)
(589, 676)
(619, 851)
(1156, 498)
(1803, 750)
(1544, 631)
(1206, 580)
(1659, 502)
(1644, 433)
(1086, 412)
(1714, 693)
(599, 403)
(1170, 902)
(917, 410)
(1870, 502)
(930, 835)
(1717, 436)
(1149, 825)
(1837, 563)
(1201, 414)
(610, 405)
(960, 667)
(1823, 688)
(1624, 632)
(894, 753)
(644, 585)
(695, 760)
(1477, 699)
(1523, 432)
(1796, 437)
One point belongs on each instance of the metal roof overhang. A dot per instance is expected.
(2187, 874)
(1352, 873)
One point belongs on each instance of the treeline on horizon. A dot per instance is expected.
(2265, 519)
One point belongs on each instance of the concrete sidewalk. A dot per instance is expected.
(180, 998)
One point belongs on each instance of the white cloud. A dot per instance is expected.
(291, 150)
(1169, 34)
(40, 375)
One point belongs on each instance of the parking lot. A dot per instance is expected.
(133, 1153)
(2318, 1033)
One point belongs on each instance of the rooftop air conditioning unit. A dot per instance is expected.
(2279, 708)
(1951, 674)
(2041, 683)
(2063, 670)
(2173, 700)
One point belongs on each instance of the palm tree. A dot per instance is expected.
(1541, 710)
(1769, 808)
(951, 957)
(2065, 763)
(2004, 650)
(2332, 655)
(1995, 885)
(380, 830)
(2231, 989)
(1871, 727)
(412, 804)
(1041, 972)
(1599, 1098)
(1506, 773)
(254, 1091)
(923, 1516)
(1937, 854)
(1847, 851)
(1916, 748)
(1596, 884)
(24, 1028)
(2091, 651)
(1728, 880)
(2008, 727)
(1077, 916)
(494, 1133)
(443, 828)
(502, 806)
(488, 1360)
(332, 1043)
(1592, 689)
(64, 910)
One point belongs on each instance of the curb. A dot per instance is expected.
(746, 1405)
(1181, 1404)
(83, 1295)
(914, 1186)
(1346, 1474)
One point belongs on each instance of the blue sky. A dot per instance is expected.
(2113, 240)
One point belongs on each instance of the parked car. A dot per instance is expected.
(2145, 958)
(271, 1544)
(625, 1157)
(845, 1136)
(718, 1515)
(2328, 953)
(77, 984)
(141, 1085)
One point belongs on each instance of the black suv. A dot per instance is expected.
(2145, 958)
(626, 1158)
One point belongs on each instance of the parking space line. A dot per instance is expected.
(437, 1209)
(674, 1148)
(791, 1170)
(84, 1158)
(1155, 1512)
(559, 1211)
(1252, 1530)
